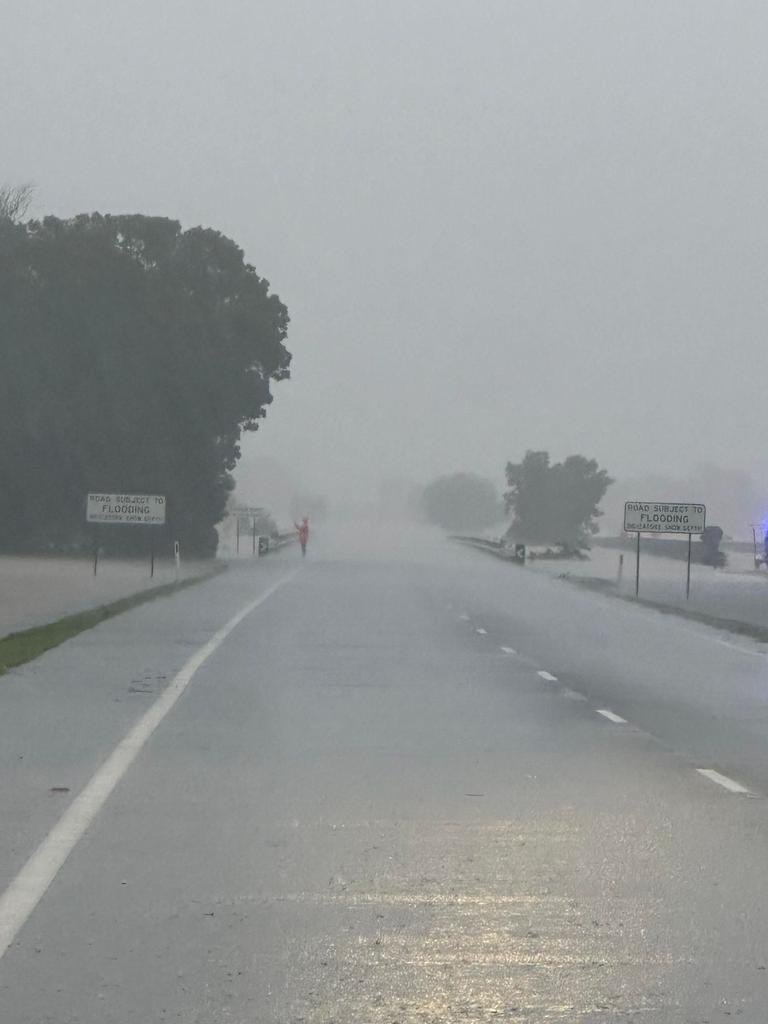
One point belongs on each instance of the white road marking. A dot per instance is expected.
(30, 884)
(509, 650)
(464, 618)
(611, 716)
(722, 780)
(741, 650)
(572, 694)
(482, 632)
(548, 676)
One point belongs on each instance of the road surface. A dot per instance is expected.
(410, 785)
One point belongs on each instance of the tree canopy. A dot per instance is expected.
(462, 501)
(555, 503)
(132, 355)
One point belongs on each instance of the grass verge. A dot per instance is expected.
(18, 648)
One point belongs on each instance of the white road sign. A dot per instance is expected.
(664, 517)
(134, 509)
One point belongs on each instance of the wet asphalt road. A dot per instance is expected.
(363, 808)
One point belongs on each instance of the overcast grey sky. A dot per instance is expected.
(497, 225)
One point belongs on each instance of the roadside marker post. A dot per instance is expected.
(664, 517)
(688, 577)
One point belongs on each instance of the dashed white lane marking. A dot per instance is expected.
(572, 694)
(611, 716)
(509, 650)
(548, 676)
(482, 632)
(722, 780)
(30, 884)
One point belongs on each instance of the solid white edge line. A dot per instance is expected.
(741, 650)
(509, 650)
(722, 780)
(31, 883)
(611, 716)
(547, 675)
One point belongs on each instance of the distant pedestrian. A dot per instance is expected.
(303, 531)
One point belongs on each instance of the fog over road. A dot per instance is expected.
(411, 785)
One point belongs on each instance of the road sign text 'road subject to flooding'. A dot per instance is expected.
(136, 509)
(663, 517)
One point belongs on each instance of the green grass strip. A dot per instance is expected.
(28, 644)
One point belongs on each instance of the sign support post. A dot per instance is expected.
(237, 542)
(253, 539)
(688, 577)
(96, 554)
(637, 567)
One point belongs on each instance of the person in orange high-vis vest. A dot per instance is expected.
(303, 534)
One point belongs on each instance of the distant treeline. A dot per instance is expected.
(132, 355)
(550, 502)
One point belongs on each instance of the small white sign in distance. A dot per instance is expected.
(664, 517)
(131, 509)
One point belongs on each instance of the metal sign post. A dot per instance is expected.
(247, 512)
(664, 517)
(688, 577)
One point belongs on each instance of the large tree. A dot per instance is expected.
(555, 503)
(132, 355)
(461, 501)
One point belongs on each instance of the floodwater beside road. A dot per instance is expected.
(738, 592)
(35, 590)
